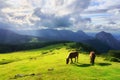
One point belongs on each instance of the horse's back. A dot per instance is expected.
(73, 54)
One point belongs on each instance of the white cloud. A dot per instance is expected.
(104, 15)
(44, 13)
(64, 14)
(103, 5)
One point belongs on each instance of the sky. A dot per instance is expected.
(86, 15)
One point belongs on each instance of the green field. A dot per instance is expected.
(48, 63)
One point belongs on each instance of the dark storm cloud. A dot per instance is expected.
(51, 20)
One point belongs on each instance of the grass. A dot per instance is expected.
(49, 64)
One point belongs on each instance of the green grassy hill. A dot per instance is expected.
(49, 64)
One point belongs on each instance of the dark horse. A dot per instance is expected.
(92, 57)
(72, 55)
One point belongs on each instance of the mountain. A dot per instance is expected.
(66, 35)
(98, 45)
(102, 41)
(117, 36)
(108, 39)
(58, 35)
(92, 34)
(10, 37)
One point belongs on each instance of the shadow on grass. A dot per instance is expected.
(5, 62)
(82, 65)
(88, 65)
(104, 64)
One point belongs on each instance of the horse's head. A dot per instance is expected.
(67, 60)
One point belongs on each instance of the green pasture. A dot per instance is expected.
(48, 63)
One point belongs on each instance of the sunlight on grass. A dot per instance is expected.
(35, 65)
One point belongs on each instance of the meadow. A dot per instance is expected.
(48, 63)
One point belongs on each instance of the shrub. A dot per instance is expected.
(114, 53)
(58, 48)
(51, 50)
(44, 52)
(114, 59)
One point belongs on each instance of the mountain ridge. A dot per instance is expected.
(109, 39)
(102, 41)
(11, 37)
(53, 34)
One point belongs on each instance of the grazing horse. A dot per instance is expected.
(72, 55)
(92, 57)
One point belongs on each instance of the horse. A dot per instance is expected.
(72, 55)
(92, 57)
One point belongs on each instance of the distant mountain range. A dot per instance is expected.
(102, 41)
(58, 35)
(116, 35)
(10, 37)
(109, 39)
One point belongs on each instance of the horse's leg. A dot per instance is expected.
(75, 59)
(71, 60)
(90, 60)
(93, 61)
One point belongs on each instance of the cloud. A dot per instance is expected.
(43, 13)
(3, 4)
(98, 6)
(61, 6)
(16, 14)
(51, 20)
(104, 15)
(111, 22)
(60, 14)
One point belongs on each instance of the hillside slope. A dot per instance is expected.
(11, 37)
(109, 39)
(49, 64)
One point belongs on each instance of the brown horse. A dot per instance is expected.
(72, 55)
(92, 57)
